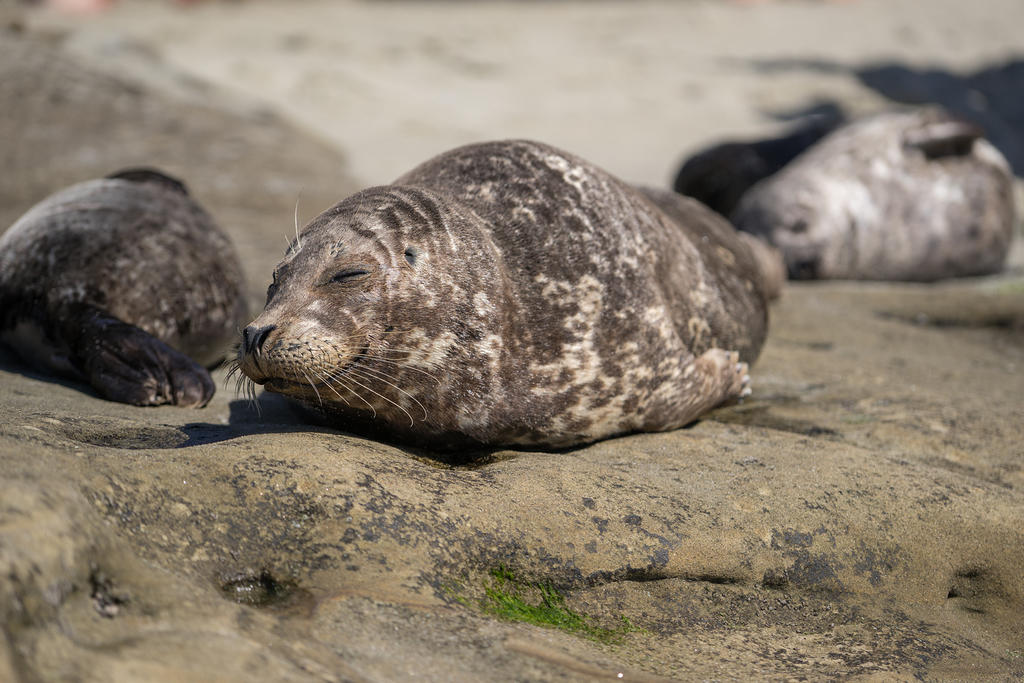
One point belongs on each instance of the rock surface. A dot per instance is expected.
(861, 516)
(66, 122)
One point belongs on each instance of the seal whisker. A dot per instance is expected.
(413, 363)
(411, 353)
(410, 349)
(244, 386)
(311, 384)
(377, 393)
(362, 334)
(326, 379)
(234, 367)
(298, 242)
(401, 349)
(234, 371)
(250, 394)
(332, 377)
(375, 374)
(407, 367)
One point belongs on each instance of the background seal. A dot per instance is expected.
(914, 195)
(122, 282)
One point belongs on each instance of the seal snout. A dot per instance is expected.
(254, 337)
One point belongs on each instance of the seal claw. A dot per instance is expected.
(126, 364)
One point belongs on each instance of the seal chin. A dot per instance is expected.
(251, 369)
(312, 388)
(282, 386)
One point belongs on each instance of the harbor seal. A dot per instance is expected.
(719, 175)
(718, 237)
(913, 195)
(507, 294)
(122, 282)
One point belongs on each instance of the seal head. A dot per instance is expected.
(122, 282)
(508, 294)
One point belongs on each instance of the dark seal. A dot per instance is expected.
(916, 195)
(509, 294)
(720, 175)
(122, 282)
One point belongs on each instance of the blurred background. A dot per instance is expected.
(257, 103)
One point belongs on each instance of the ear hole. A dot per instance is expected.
(411, 253)
(799, 227)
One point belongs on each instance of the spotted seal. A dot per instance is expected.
(911, 195)
(122, 282)
(507, 294)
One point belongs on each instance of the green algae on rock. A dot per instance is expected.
(541, 604)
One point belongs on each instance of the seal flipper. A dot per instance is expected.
(126, 364)
(944, 138)
(717, 378)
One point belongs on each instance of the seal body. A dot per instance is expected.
(510, 294)
(718, 238)
(916, 195)
(122, 282)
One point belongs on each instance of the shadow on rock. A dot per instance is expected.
(266, 414)
(10, 362)
(989, 97)
(272, 413)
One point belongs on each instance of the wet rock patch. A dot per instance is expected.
(260, 589)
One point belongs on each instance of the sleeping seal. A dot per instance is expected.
(122, 282)
(508, 294)
(915, 195)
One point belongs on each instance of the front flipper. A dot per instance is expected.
(716, 378)
(126, 364)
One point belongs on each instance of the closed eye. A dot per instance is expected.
(350, 274)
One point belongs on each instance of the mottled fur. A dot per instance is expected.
(118, 282)
(718, 239)
(915, 195)
(508, 293)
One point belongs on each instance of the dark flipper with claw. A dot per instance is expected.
(124, 363)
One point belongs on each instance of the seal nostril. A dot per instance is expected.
(254, 337)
